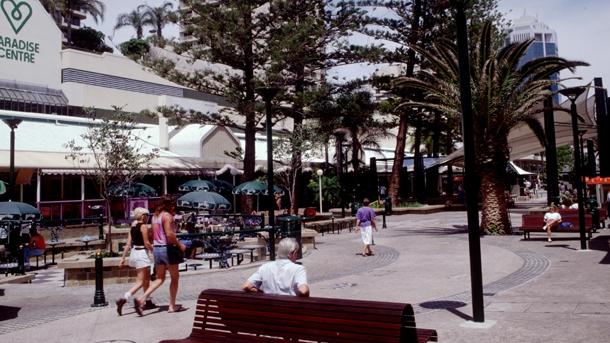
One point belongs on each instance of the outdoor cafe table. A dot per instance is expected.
(53, 244)
(86, 240)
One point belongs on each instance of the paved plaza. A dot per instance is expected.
(535, 291)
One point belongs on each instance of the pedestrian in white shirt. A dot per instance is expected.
(282, 276)
(552, 219)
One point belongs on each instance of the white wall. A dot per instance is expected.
(37, 29)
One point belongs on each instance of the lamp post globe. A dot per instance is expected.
(320, 172)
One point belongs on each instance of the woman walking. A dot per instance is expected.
(168, 253)
(138, 242)
(365, 222)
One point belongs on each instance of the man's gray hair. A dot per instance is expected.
(286, 246)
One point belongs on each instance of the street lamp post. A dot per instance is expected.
(572, 94)
(470, 178)
(268, 93)
(320, 172)
(12, 123)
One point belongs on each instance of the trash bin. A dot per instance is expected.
(592, 207)
(355, 206)
(290, 226)
(387, 205)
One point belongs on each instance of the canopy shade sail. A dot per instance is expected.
(523, 142)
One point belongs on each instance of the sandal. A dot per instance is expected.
(138, 306)
(179, 309)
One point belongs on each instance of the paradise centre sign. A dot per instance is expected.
(30, 44)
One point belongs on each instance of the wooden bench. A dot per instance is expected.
(332, 225)
(533, 222)
(234, 316)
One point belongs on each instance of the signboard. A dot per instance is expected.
(598, 180)
(30, 44)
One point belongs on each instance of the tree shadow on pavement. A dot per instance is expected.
(8, 312)
(601, 243)
(449, 305)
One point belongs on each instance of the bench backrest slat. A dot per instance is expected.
(221, 312)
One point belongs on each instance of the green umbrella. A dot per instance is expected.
(255, 188)
(18, 210)
(2, 187)
(132, 189)
(204, 200)
(197, 185)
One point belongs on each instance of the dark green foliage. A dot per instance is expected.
(89, 39)
(135, 48)
(505, 96)
(330, 190)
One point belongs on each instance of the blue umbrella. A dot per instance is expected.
(197, 185)
(204, 200)
(18, 210)
(132, 189)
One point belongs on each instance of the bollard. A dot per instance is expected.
(272, 243)
(21, 260)
(99, 299)
(384, 226)
(100, 227)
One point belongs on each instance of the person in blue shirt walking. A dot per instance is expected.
(365, 222)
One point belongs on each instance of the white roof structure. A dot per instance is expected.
(40, 142)
(523, 142)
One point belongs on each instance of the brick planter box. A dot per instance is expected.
(79, 270)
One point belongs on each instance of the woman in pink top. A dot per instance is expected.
(164, 234)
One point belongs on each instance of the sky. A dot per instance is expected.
(582, 29)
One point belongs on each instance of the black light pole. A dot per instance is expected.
(12, 123)
(552, 175)
(572, 94)
(268, 93)
(470, 178)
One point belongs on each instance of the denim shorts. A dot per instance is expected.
(160, 255)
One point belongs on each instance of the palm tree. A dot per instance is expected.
(136, 19)
(159, 16)
(505, 95)
(92, 8)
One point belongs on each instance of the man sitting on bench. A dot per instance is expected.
(282, 276)
(552, 219)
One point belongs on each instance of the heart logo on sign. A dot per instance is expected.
(17, 14)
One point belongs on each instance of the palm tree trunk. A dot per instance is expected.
(418, 165)
(494, 214)
(69, 22)
(139, 32)
(399, 158)
(401, 138)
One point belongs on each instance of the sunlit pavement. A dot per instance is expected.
(535, 291)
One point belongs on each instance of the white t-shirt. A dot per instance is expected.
(279, 277)
(551, 216)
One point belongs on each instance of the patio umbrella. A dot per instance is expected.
(255, 188)
(197, 185)
(132, 189)
(204, 200)
(2, 187)
(18, 210)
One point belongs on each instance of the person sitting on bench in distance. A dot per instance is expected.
(552, 219)
(281, 276)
